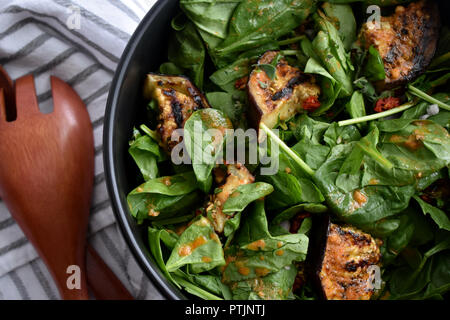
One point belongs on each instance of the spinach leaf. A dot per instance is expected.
(309, 134)
(421, 109)
(224, 102)
(292, 211)
(367, 89)
(336, 45)
(341, 15)
(409, 228)
(416, 148)
(438, 216)
(329, 95)
(325, 48)
(186, 51)
(329, 87)
(214, 284)
(305, 127)
(407, 283)
(290, 185)
(256, 253)
(308, 50)
(154, 240)
(189, 284)
(244, 195)
(198, 246)
(170, 68)
(275, 286)
(277, 253)
(399, 239)
(331, 51)
(313, 66)
(374, 68)
(231, 225)
(257, 22)
(355, 107)
(288, 190)
(360, 207)
(335, 134)
(443, 119)
(383, 228)
(163, 196)
(313, 154)
(176, 185)
(424, 229)
(205, 147)
(211, 18)
(146, 153)
(366, 181)
(367, 146)
(169, 238)
(226, 76)
(439, 277)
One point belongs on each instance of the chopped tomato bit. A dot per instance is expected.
(388, 103)
(241, 83)
(311, 103)
(296, 222)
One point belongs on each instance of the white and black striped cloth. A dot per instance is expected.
(37, 37)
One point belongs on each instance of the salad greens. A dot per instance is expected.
(382, 171)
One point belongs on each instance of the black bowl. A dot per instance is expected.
(145, 51)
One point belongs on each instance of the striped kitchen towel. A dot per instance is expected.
(79, 41)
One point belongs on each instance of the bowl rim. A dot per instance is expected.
(119, 208)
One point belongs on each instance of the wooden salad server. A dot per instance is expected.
(46, 181)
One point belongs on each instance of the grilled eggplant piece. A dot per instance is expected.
(237, 175)
(406, 41)
(340, 258)
(177, 99)
(280, 98)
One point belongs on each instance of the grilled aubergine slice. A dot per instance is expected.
(405, 40)
(177, 99)
(280, 98)
(236, 175)
(340, 257)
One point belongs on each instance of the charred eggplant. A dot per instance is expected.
(237, 175)
(177, 99)
(281, 96)
(406, 41)
(339, 262)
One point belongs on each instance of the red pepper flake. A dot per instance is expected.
(296, 222)
(426, 198)
(241, 83)
(311, 103)
(388, 103)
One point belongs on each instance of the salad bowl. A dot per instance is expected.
(356, 99)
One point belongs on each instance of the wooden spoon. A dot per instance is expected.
(8, 91)
(46, 174)
(46, 180)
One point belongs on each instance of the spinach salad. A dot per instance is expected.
(355, 96)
